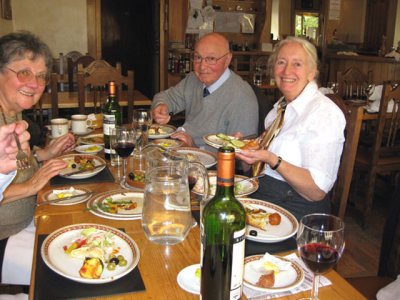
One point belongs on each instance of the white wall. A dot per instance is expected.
(60, 23)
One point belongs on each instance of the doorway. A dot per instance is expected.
(130, 35)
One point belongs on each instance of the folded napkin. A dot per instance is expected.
(394, 54)
(351, 53)
(306, 285)
(375, 101)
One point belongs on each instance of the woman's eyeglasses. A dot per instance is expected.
(27, 75)
(209, 59)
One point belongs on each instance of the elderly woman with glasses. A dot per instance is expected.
(25, 62)
(215, 99)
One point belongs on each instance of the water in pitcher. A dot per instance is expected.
(166, 216)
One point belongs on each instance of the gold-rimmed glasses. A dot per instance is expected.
(26, 75)
(211, 60)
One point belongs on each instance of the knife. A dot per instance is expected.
(83, 170)
(64, 198)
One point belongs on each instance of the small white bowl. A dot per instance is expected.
(89, 149)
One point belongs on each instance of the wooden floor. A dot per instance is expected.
(361, 255)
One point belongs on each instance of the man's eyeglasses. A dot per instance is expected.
(27, 75)
(209, 59)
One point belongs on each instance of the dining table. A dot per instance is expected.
(155, 276)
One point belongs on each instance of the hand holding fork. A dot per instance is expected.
(12, 155)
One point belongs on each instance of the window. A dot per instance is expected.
(307, 25)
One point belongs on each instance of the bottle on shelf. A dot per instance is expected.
(112, 116)
(223, 225)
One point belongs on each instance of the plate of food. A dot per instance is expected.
(242, 188)
(207, 158)
(273, 274)
(157, 131)
(81, 166)
(267, 222)
(168, 143)
(221, 139)
(90, 253)
(92, 139)
(189, 279)
(117, 204)
(59, 194)
(89, 149)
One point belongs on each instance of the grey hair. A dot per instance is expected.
(23, 44)
(309, 48)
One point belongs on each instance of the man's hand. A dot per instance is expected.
(184, 137)
(161, 114)
(8, 146)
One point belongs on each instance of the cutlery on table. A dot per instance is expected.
(64, 198)
(83, 170)
(250, 178)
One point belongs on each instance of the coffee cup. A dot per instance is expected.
(59, 127)
(80, 124)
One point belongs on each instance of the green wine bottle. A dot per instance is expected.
(223, 225)
(112, 116)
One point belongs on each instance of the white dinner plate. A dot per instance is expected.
(216, 142)
(274, 233)
(55, 258)
(188, 281)
(70, 158)
(95, 205)
(161, 131)
(167, 143)
(50, 195)
(243, 188)
(207, 158)
(89, 149)
(284, 280)
(92, 139)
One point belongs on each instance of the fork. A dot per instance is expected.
(22, 158)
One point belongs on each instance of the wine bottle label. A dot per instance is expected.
(108, 123)
(237, 263)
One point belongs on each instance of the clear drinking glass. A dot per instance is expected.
(114, 157)
(125, 141)
(141, 122)
(320, 243)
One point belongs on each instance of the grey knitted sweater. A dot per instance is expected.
(232, 107)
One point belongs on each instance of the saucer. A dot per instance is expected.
(83, 133)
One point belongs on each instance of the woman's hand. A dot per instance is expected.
(42, 176)
(253, 156)
(161, 114)
(57, 147)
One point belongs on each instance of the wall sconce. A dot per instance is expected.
(5, 9)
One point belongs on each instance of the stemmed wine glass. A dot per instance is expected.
(320, 242)
(124, 143)
(141, 122)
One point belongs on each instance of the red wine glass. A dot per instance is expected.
(320, 242)
(124, 143)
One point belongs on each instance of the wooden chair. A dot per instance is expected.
(74, 65)
(352, 82)
(96, 76)
(383, 157)
(340, 192)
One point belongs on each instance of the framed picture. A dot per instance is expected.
(5, 9)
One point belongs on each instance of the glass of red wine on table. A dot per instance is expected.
(320, 243)
(124, 144)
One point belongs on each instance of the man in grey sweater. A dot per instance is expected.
(215, 99)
